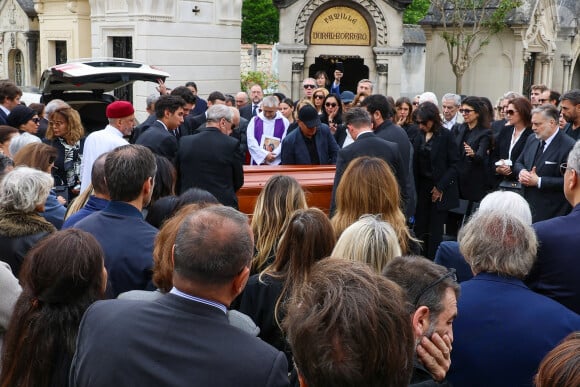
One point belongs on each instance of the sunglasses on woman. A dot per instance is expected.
(331, 104)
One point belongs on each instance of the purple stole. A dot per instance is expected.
(259, 128)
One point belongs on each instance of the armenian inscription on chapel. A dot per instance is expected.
(340, 26)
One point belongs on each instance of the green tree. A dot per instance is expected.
(260, 21)
(416, 11)
(467, 26)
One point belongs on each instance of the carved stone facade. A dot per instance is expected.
(19, 43)
(65, 30)
(380, 61)
(541, 45)
(191, 40)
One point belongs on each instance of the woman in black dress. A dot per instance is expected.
(435, 162)
(473, 139)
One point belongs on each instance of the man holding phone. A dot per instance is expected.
(338, 73)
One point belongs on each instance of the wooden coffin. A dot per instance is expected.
(316, 180)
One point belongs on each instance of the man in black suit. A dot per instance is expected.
(190, 101)
(184, 337)
(381, 113)
(538, 167)
(211, 159)
(367, 143)
(193, 122)
(250, 110)
(160, 136)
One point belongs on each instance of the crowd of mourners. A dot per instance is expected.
(449, 255)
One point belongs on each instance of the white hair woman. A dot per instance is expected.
(23, 193)
(369, 240)
(497, 310)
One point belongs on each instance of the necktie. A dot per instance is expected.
(254, 110)
(539, 151)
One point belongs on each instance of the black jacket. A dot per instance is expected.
(159, 140)
(212, 161)
(444, 158)
(502, 148)
(548, 201)
(473, 172)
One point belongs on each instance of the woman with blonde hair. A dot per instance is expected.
(369, 240)
(65, 132)
(368, 186)
(280, 197)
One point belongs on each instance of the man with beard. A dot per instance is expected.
(432, 290)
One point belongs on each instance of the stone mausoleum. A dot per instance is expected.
(367, 36)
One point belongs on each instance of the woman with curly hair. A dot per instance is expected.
(62, 275)
(66, 133)
(279, 198)
(368, 186)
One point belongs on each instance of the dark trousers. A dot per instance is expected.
(429, 220)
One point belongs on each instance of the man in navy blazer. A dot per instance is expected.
(312, 144)
(503, 329)
(160, 136)
(9, 98)
(127, 240)
(358, 123)
(538, 167)
(184, 337)
(556, 272)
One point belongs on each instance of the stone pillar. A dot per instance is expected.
(297, 68)
(388, 62)
(546, 61)
(382, 78)
(567, 63)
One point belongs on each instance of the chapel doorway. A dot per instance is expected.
(354, 69)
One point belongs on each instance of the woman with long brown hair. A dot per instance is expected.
(61, 277)
(368, 186)
(307, 239)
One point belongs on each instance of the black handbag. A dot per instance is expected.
(514, 186)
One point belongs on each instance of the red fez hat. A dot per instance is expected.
(120, 109)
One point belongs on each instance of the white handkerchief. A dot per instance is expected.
(551, 162)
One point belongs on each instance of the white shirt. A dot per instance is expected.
(96, 144)
(456, 119)
(256, 150)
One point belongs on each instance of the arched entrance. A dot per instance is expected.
(16, 67)
(354, 69)
(366, 35)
